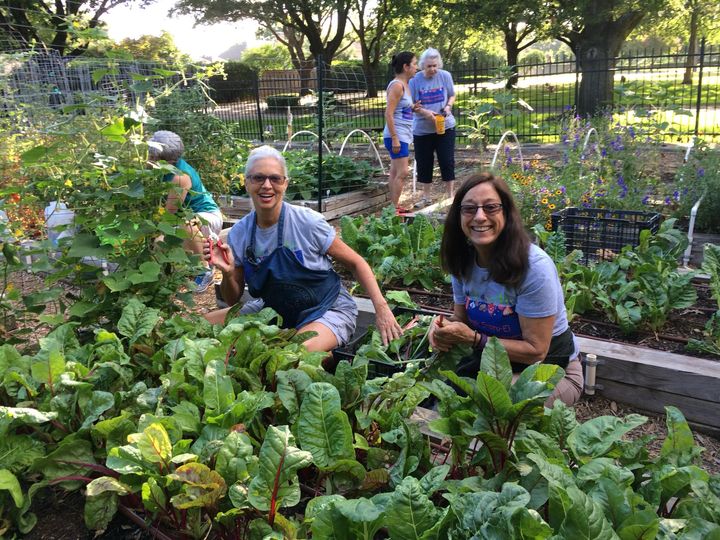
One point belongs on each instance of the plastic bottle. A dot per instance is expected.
(439, 124)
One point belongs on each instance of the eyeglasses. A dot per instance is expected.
(489, 209)
(259, 179)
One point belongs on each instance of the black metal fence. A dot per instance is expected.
(647, 86)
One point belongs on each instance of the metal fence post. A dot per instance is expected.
(577, 78)
(475, 75)
(699, 90)
(257, 104)
(319, 67)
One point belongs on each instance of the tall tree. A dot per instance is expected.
(522, 23)
(61, 25)
(370, 25)
(321, 22)
(595, 30)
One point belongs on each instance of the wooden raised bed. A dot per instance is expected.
(645, 379)
(370, 199)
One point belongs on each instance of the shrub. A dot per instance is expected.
(280, 101)
(238, 83)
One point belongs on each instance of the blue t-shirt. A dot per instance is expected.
(307, 234)
(198, 199)
(493, 308)
(433, 94)
(403, 117)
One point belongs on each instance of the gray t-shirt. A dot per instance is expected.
(493, 308)
(306, 234)
(403, 117)
(433, 94)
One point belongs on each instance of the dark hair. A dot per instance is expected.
(509, 260)
(400, 60)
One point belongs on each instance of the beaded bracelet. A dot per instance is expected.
(479, 340)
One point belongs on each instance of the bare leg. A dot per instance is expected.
(325, 339)
(217, 316)
(194, 244)
(427, 191)
(397, 175)
(450, 188)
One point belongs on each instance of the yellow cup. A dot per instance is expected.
(439, 124)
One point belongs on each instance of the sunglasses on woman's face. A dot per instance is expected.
(488, 209)
(259, 179)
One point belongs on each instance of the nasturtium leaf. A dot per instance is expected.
(276, 482)
(137, 320)
(323, 427)
(9, 483)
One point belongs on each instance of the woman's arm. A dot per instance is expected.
(177, 196)
(533, 347)
(394, 95)
(384, 319)
(233, 282)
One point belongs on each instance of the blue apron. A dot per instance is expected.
(298, 294)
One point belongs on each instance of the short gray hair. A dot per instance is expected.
(171, 146)
(265, 152)
(430, 54)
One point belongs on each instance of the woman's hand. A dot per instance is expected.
(444, 334)
(417, 106)
(386, 324)
(447, 110)
(218, 254)
(395, 144)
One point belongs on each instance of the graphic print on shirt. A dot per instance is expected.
(493, 316)
(429, 96)
(407, 113)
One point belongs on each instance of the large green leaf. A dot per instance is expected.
(22, 416)
(291, 386)
(410, 512)
(93, 407)
(201, 486)
(579, 517)
(642, 525)
(597, 436)
(137, 320)
(102, 501)
(679, 445)
(18, 452)
(48, 370)
(323, 427)
(496, 363)
(218, 391)
(235, 460)
(153, 443)
(9, 482)
(277, 480)
(497, 403)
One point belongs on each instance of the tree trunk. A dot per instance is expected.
(597, 63)
(513, 54)
(692, 47)
(369, 69)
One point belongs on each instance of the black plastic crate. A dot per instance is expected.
(601, 234)
(375, 368)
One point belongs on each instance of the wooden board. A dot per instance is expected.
(367, 200)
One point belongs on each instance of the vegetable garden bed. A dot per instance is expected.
(369, 199)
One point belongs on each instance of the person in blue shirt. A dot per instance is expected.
(188, 192)
(432, 88)
(285, 254)
(503, 286)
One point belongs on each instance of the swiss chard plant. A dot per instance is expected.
(399, 253)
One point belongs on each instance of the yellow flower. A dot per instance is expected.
(10, 288)
(558, 192)
(544, 201)
(68, 183)
(161, 210)
(551, 206)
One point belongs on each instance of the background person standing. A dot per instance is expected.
(433, 88)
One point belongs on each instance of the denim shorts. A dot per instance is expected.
(404, 149)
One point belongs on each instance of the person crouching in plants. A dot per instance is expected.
(189, 192)
(503, 286)
(283, 252)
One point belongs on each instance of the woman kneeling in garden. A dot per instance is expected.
(503, 286)
(282, 252)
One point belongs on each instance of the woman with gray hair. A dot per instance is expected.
(188, 192)
(433, 88)
(283, 252)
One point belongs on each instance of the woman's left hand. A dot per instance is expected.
(387, 325)
(447, 110)
(444, 334)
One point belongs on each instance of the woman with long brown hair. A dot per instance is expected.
(503, 286)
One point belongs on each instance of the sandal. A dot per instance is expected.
(401, 211)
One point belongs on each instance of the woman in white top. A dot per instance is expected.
(398, 133)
